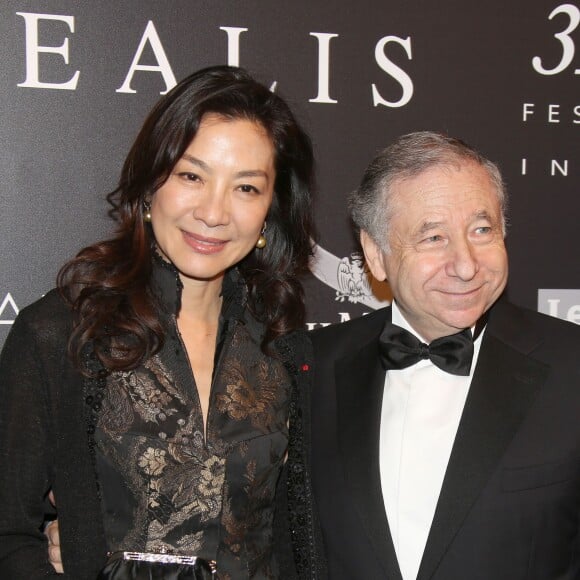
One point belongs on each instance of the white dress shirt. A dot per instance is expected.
(422, 406)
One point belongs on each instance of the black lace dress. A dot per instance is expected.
(168, 486)
(129, 463)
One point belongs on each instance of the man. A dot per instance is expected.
(466, 468)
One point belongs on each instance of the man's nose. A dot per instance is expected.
(462, 261)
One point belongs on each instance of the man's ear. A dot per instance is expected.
(373, 255)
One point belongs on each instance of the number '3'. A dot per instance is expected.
(567, 43)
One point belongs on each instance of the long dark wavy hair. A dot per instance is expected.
(108, 285)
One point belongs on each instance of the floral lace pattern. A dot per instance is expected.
(166, 486)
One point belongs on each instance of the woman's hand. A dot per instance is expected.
(53, 536)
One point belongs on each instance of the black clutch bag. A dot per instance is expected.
(146, 566)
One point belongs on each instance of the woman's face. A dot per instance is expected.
(209, 213)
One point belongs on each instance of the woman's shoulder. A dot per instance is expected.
(48, 317)
(295, 349)
(38, 338)
(51, 305)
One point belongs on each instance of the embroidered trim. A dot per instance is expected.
(94, 392)
(300, 499)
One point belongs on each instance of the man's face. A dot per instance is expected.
(447, 262)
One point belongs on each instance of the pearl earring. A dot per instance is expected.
(146, 211)
(261, 243)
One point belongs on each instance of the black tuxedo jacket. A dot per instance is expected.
(509, 508)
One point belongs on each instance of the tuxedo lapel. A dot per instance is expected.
(503, 388)
(360, 383)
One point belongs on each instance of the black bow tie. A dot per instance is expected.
(400, 349)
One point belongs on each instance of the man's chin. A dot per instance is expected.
(463, 320)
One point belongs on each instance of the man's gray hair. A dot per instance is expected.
(408, 157)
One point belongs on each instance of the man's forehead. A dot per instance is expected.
(446, 185)
(443, 196)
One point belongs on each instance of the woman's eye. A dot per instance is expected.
(246, 188)
(188, 176)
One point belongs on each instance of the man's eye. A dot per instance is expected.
(433, 239)
(482, 230)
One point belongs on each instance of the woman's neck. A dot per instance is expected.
(201, 299)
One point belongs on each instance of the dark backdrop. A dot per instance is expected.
(75, 87)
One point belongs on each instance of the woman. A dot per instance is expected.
(151, 392)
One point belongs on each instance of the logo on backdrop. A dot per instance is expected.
(36, 26)
(349, 276)
(353, 279)
(561, 303)
(565, 21)
(8, 310)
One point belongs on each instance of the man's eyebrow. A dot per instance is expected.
(482, 215)
(429, 226)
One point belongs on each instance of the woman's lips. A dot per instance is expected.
(202, 244)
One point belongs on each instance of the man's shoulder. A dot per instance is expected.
(543, 334)
(539, 321)
(353, 332)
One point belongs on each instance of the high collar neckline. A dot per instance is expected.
(168, 288)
